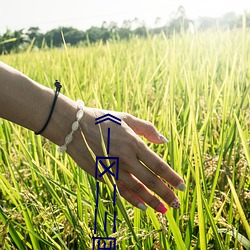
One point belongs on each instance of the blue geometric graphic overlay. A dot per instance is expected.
(114, 225)
(108, 117)
(102, 161)
(114, 194)
(95, 220)
(104, 243)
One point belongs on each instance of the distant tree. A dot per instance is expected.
(104, 25)
(178, 25)
(181, 13)
(54, 37)
(7, 41)
(34, 33)
(72, 36)
(127, 24)
(94, 34)
(207, 23)
(229, 20)
(180, 22)
(240, 19)
(248, 19)
(105, 35)
(141, 31)
(19, 40)
(124, 33)
(157, 22)
(13, 41)
(113, 27)
(136, 23)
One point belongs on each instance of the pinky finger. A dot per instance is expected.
(131, 197)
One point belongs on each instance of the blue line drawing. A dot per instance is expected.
(107, 169)
(115, 119)
(114, 194)
(97, 195)
(114, 225)
(105, 222)
(95, 220)
(110, 240)
(108, 141)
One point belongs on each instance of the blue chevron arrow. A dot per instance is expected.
(106, 117)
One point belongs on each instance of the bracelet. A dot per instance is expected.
(74, 127)
(58, 87)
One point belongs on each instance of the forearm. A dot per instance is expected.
(27, 103)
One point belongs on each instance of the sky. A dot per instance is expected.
(82, 14)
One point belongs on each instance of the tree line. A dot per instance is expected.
(20, 40)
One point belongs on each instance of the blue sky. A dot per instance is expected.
(82, 14)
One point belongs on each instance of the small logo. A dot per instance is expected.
(105, 243)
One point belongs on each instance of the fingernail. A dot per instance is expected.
(142, 206)
(163, 138)
(181, 186)
(161, 208)
(175, 204)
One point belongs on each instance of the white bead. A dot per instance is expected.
(75, 126)
(80, 104)
(79, 114)
(62, 149)
(69, 138)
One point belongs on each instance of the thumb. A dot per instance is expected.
(146, 129)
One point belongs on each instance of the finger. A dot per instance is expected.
(160, 167)
(146, 129)
(131, 197)
(154, 183)
(135, 191)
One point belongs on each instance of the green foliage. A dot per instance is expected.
(20, 41)
(194, 88)
(71, 35)
(13, 41)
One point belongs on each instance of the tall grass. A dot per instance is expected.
(194, 88)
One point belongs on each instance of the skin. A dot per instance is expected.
(141, 172)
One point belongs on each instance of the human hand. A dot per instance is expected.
(140, 169)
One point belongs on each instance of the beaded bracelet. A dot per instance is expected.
(74, 127)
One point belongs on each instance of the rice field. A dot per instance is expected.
(194, 88)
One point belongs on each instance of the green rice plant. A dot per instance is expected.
(194, 88)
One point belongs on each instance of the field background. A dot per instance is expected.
(194, 88)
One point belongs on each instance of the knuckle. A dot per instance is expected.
(137, 188)
(150, 126)
(122, 189)
(127, 117)
(151, 181)
(133, 142)
(141, 147)
(160, 167)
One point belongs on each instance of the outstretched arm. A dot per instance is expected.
(141, 171)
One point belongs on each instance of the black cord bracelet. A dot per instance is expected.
(58, 87)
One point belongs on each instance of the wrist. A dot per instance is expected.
(61, 120)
